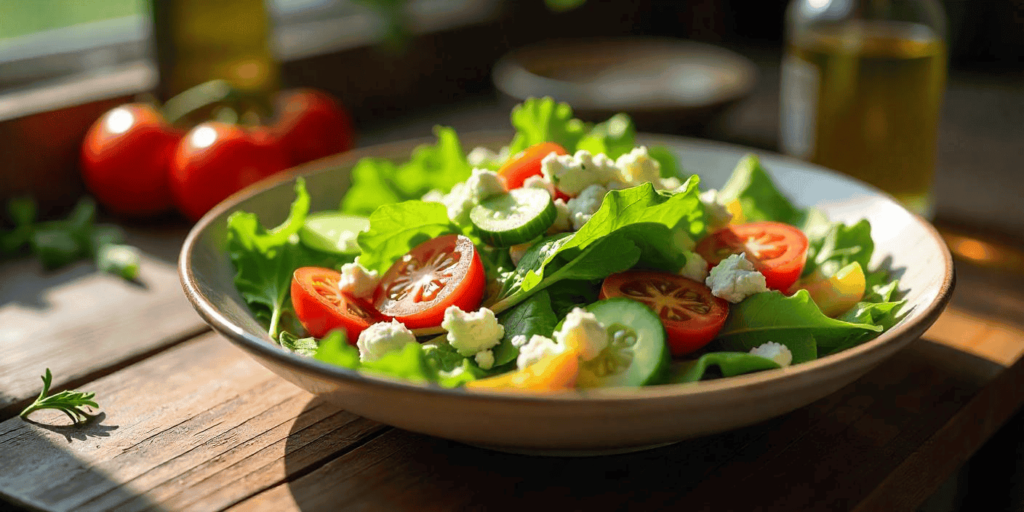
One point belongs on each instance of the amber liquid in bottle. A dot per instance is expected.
(863, 98)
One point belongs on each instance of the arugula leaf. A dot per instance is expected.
(265, 259)
(532, 316)
(614, 137)
(376, 181)
(840, 246)
(301, 346)
(397, 228)
(667, 160)
(772, 316)
(757, 194)
(539, 120)
(729, 363)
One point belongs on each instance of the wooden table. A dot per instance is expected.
(191, 422)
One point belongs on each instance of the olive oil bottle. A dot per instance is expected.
(862, 91)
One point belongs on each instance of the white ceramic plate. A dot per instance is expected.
(596, 421)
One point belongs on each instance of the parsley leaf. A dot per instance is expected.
(69, 402)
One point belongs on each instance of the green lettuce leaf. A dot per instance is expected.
(301, 346)
(757, 194)
(532, 316)
(667, 160)
(376, 181)
(614, 137)
(266, 259)
(840, 246)
(427, 363)
(539, 120)
(335, 349)
(772, 316)
(397, 228)
(729, 363)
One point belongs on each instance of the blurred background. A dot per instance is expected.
(702, 68)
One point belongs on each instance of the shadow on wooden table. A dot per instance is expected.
(860, 437)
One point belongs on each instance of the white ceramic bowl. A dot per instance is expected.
(595, 421)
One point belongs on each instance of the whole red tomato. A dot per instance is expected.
(124, 160)
(311, 125)
(215, 160)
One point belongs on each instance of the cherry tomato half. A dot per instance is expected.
(124, 160)
(434, 275)
(322, 308)
(526, 163)
(216, 160)
(311, 125)
(777, 250)
(691, 315)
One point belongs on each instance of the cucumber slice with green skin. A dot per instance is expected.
(637, 353)
(333, 232)
(513, 218)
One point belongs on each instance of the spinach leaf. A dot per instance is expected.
(757, 194)
(803, 346)
(772, 316)
(376, 181)
(539, 120)
(532, 316)
(572, 294)
(397, 228)
(729, 363)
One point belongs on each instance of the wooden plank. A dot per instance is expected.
(80, 322)
(200, 426)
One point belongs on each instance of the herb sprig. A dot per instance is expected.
(67, 401)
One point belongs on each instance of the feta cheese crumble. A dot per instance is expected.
(695, 268)
(573, 173)
(482, 184)
(775, 351)
(356, 281)
(583, 333)
(563, 218)
(537, 348)
(481, 156)
(735, 279)
(637, 167)
(484, 359)
(381, 338)
(584, 206)
(717, 214)
(470, 333)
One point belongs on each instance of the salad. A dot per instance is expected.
(572, 258)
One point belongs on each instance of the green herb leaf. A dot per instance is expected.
(757, 194)
(772, 316)
(397, 228)
(539, 120)
(71, 403)
(120, 260)
(301, 346)
(334, 349)
(729, 363)
(840, 246)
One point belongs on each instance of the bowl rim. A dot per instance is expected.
(904, 331)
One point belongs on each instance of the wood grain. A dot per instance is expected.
(78, 321)
(200, 426)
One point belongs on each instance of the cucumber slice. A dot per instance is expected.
(637, 354)
(519, 216)
(333, 232)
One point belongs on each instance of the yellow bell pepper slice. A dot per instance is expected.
(556, 372)
(837, 294)
(736, 209)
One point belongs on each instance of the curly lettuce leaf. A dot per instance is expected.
(265, 259)
(397, 228)
(772, 316)
(614, 137)
(377, 181)
(729, 364)
(757, 194)
(414, 362)
(539, 120)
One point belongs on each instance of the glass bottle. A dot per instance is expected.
(201, 40)
(862, 86)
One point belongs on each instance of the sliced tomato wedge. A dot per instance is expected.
(691, 315)
(777, 250)
(322, 308)
(434, 275)
(527, 163)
